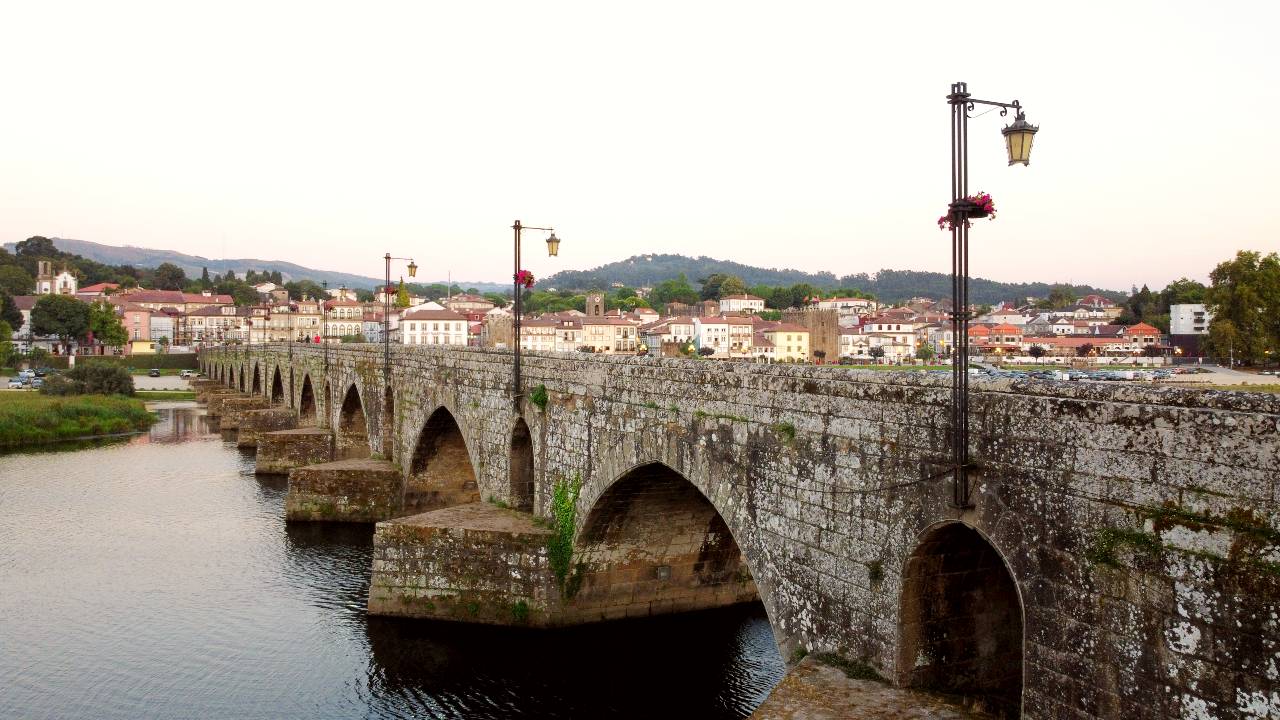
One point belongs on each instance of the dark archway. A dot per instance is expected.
(440, 474)
(653, 544)
(521, 467)
(239, 380)
(328, 404)
(257, 381)
(960, 623)
(277, 387)
(307, 416)
(352, 441)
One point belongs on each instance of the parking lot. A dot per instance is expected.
(141, 382)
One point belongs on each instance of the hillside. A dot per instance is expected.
(192, 264)
(887, 285)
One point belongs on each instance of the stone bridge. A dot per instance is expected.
(1121, 557)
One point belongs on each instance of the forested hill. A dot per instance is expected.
(887, 285)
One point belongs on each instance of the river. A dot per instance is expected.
(155, 577)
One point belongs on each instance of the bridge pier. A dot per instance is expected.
(255, 423)
(217, 398)
(362, 490)
(283, 450)
(234, 409)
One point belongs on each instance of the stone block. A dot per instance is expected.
(472, 563)
(215, 400)
(233, 410)
(254, 423)
(344, 491)
(283, 450)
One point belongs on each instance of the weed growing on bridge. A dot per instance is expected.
(786, 431)
(1107, 540)
(564, 514)
(520, 611)
(498, 503)
(875, 573)
(538, 396)
(853, 669)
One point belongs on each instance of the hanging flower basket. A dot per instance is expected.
(974, 206)
(524, 278)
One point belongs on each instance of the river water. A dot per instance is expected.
(155, 577)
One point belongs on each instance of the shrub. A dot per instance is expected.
(164, 361)
(706, 351)
(91, 379)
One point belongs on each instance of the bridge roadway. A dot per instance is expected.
(1121, 556)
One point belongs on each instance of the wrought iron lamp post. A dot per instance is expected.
(553, 249)
(1018, 137)
(386, 319)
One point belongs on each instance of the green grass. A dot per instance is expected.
(28, 418)
(892, 367)
(154, 395)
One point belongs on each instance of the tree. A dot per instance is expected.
(61, 316)
(1181, 292)
(711, 286)
(37, 247)
(8, 355)
(924, 352)
(732, 285)
(170, 277)
(1084, 350)
(706, 351)
(674, 291)
(204, 275)
(105, 325)
(876, 351)
(498, 299)
(402, 295)
(1152, 351)
(820, 354)
(299, 289)
(1244, 298)
(16, 281)
(10, 313)
(1037, 352)
(93, 379)
(1061, 296)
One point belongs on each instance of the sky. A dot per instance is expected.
(799, 134)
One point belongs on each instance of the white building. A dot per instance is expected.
(1189, 319)
(47, 283)
(433, 327)
(741, 303)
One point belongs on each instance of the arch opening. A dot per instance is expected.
(257, 381)
(654, 544)
(352, 441)
(307, 416)
(277, 387)
(520, 467)
(960, 622)
(440, 474)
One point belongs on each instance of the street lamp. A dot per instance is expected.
(1018, 137)
(553, 250)
(386, 320)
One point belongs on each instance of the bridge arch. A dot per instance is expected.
(277, 386)
(653, 543)
(520, 467)
(351, 441)
(440, 470)
(256, 388)
(961, 620)
(307, 414)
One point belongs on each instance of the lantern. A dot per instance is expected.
(553, 245)
(413, 269)
(1018, 137)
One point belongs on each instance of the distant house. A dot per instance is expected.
(741, 303)
(422, 326)
(99, 289)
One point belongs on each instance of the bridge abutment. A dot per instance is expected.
(255, 423)
(283, 450)
(360, 490)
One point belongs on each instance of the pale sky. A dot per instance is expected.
(785, 134)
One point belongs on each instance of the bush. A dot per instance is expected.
(91, 379)
(706, 351)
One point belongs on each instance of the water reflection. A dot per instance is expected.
(155, 577)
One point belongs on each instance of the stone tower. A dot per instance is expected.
(595, 304)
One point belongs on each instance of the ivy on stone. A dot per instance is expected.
(564, 514)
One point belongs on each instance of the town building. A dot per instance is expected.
(424, 326)
(609, 335)
(741, 303)
(790, 342)
(1189, 319)
(50, 283)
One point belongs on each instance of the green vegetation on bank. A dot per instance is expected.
(27, 418)
(164, 395)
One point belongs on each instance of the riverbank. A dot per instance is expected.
(29, 418)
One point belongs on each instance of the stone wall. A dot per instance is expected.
(1139, 525)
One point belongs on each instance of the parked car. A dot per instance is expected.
(37, 383)
(15, 384)
(186, 373)
(153, 372)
